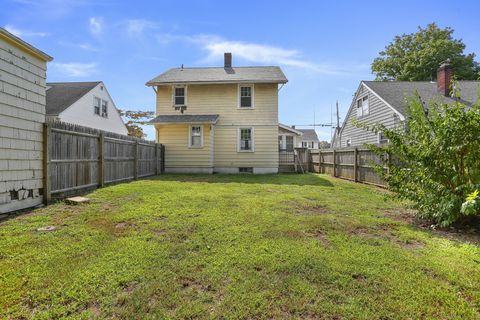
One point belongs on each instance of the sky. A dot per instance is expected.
(325, 48)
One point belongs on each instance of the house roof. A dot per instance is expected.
(24, 45)
(220, 75)
(395, 92)
(308, 135)
(61, 95)
(288, 128)
(185, 118)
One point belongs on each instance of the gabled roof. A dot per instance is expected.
(288, 128)
(220, 75)
(396, 92)
(61, 95)
(24, 45)
(186, 118)
(309, 135)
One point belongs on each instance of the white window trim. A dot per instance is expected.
(239, 96)
(190, 136)
(346, 142)
(173, 95)
(379, 139)
(362, 108)
(252, 129)
(100, 107)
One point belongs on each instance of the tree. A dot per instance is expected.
(134, 121)
(417, 56)
(434, 161)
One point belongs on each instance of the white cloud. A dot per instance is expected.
(74, 69)
(96, 25)
(216, 46)
(24, 33)
(138, 26)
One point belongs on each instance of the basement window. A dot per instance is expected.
(245, 170)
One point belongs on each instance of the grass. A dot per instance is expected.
(226, 246)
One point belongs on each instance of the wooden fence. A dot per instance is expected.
(77, 159)
(355, 164)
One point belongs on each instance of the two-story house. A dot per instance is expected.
(84, 103)
(385, 102)
(220, 119)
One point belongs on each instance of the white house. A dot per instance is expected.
(84, 103)
(309, 139)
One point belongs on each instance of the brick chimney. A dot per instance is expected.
(227, 60)
(444, 78)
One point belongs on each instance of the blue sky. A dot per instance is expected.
(324, 47)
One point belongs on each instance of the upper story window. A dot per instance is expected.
(196, 137)
(96, 105)
(180, 96)
(349, 142)
(104, 109)
(362, 107)
(245, 139)
(245, 96)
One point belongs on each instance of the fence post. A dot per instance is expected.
(334, 164)
(162, 158)
(47, 194)
(355, 164)
(319, 161)
(156, 159)
(135, 161)
(101, 159)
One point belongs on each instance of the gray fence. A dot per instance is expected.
(77, 159)
(355, 164)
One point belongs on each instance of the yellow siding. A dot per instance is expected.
(177, 152)
(222, 99)
(266, 148)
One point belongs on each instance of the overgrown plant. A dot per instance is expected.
(435, 158)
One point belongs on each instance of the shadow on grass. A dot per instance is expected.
(278, 179)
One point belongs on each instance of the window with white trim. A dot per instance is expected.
(245, 96)
(104, 109)
(245, 139)
(96, 105)
(179, 95)
(363, 107)
(196, 137)
(382, 138)
(349, 142)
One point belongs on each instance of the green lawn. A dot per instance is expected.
(226, 246)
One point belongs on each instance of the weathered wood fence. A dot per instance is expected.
(355, 164)
(78, 159)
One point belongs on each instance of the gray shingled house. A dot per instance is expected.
(309, 139)
(384, 102)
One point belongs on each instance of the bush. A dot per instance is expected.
(435, 159)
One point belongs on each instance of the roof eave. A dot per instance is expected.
(167, 83)
(24, 45)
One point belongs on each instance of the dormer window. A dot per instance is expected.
(179, 96)
(245, 96)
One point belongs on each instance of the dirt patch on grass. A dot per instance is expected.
(385, 232)
(320, 235)
(464, 234)
(300, 208)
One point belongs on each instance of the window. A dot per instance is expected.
(381, 138)
(245, 142)
(304, 144)
(245, 170)
(289, 143)
(246, 97)
(311, 145)
(280, 143)
(362, 107)
(96, 105)
(104, 109)
(179, 96)
(196, 137)
(349, 142)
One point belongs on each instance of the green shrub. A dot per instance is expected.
(435, 158)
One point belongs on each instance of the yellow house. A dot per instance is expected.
(221, 119)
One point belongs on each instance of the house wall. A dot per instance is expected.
(22, 114)
(379, 112)
(283, 133)
(82, 112)
(178, 156)
(222, 99)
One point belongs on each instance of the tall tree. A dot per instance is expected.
(417, 56)
(134, 121)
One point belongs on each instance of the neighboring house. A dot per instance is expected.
(384, 102)
(288, 137)
(84, 103)
(22, 114)
(219, 119)
(309, 139)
